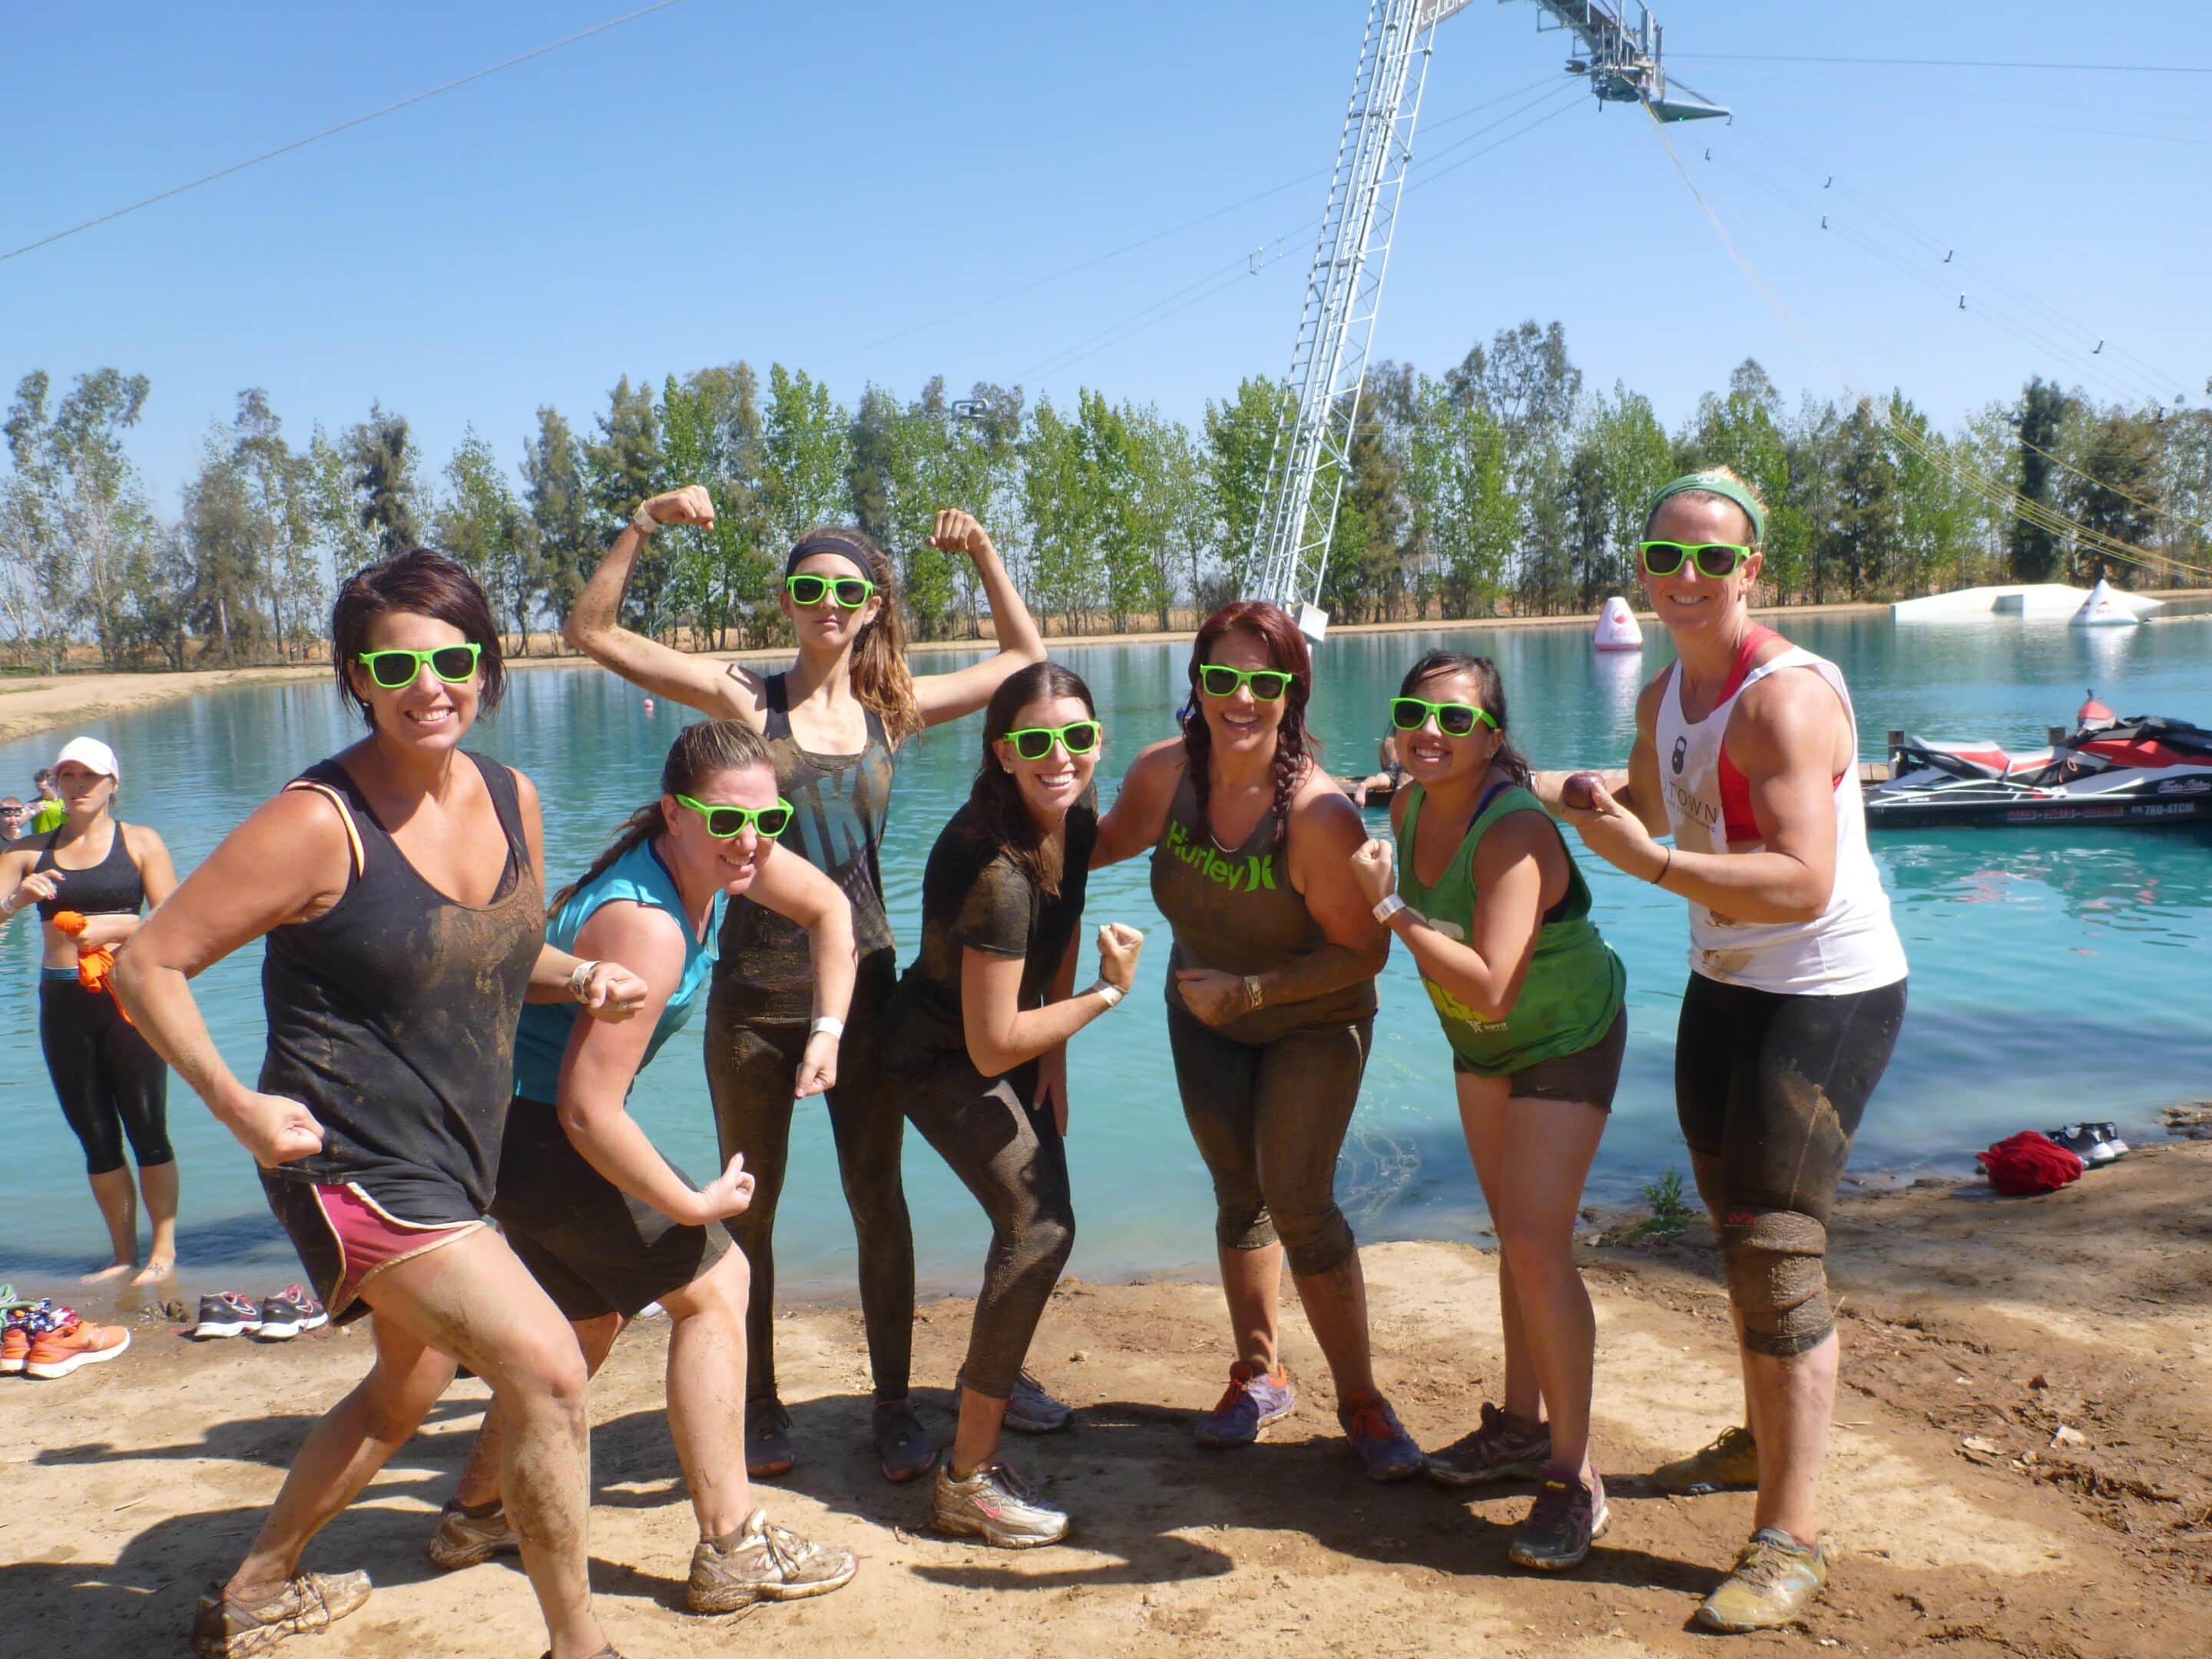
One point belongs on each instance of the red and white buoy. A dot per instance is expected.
(648, 705)
(1617, 628)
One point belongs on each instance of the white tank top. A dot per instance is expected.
(1848, 947)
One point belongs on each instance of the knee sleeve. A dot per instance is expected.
(1319, 1244)
(1777, 1279)
(1243, 1227)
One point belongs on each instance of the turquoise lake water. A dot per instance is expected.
(2055, 973)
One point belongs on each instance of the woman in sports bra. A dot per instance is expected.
(90, 877)
(1747, 752)
(836, 720)
(397, 885)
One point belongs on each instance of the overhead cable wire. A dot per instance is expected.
(343, 126)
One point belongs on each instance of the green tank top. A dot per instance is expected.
(1574, 983)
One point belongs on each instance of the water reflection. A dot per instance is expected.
(2156, 880)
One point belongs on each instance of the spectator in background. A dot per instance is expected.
(13, 818)
(46, 814)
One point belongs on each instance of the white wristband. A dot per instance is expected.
(1389, 907)
(830, 1023)
(580, 976)
(1112, 993)
(642, 521)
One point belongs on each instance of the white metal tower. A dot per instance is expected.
(1620, 41)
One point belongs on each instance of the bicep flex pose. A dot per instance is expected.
(835, 720)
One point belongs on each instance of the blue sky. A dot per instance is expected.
(822, 184)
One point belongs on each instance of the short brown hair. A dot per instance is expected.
(421, 582)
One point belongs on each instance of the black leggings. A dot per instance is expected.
(750, 1067)
(1009, 1153)
(110, 1081)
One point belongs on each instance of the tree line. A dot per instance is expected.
(1503, 485)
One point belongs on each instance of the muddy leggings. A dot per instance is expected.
(109, 1081)
(1269, 1120)
(750, 1067)
(1008, 1153)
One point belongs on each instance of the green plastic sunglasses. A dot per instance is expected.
(1220, 680)
(851, 593)
(1715, 559)
(726, 822)
(1077, 737)
(1454, 719)
(395, 667)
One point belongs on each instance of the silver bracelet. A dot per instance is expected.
(580, 978)
(830, 1023)
(1112, 993)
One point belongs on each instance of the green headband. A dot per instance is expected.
(1714, 483)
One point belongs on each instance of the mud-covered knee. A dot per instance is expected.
(1244, 1227)
(1321, 1246)
(1778, 1278)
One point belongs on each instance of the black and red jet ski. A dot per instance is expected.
(2145, 770)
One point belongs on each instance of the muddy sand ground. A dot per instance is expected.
(1967, 1523)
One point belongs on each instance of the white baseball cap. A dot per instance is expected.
(91, 754)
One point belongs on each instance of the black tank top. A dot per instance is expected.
(392, 1015)
(112, 887)
(766, 969)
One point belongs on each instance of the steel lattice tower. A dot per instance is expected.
(1312, 451)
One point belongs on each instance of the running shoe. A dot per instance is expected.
(1567, 1516)
(1501, 1448)
(1030, 1409)
(768, 1438)
(22, 1323)
(287, 1313)
(904, 1448)
(306, 1605)
(1252, 1400)
(1774, 1579)
(1730, 1463)
(62, 1348)
(762, 1563)
(2095, 1144)
(225, 1314)
(1386, 1450)
(468, 1534)
(998, 1507)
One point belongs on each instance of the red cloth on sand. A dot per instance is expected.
(2028, 1163)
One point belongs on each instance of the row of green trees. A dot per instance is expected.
(1502, 484)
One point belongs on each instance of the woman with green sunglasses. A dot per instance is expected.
(836, 720)
(1497, 917)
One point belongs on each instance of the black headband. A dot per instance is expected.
(844, 550)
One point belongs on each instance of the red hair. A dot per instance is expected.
(1295, 748)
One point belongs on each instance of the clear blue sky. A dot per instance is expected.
(821, 184)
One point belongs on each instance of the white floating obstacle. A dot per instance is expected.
(1617, 629)
(2105, 608)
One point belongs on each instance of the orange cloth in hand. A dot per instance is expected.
(70, 921)
(93, 969)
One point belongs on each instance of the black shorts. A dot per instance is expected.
(1589, 1076)
(594, 1248)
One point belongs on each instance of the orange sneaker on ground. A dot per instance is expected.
(58, 1352)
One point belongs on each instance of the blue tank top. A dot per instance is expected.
(641, 877)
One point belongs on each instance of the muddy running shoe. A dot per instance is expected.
(308, 1605)
(470, 1532)
(1253, 1400)
(1030, 1409)
(904, 1448)
(1386, 1450)
(225, 1314)
(1774, 1580)
(287, 1313)
(1567, 1516)
(62, 1348)
(1729, 1464)
(996, 1505)
(762, 1563)
(768, 1438)
(1502, 1448)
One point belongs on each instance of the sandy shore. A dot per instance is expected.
(1975, 1329)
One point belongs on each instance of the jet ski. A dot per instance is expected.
(2145, 770)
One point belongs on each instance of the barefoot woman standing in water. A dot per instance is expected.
(835, 719)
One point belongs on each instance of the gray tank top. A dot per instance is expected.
(1235, 910)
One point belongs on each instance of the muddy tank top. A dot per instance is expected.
(112, 887)
(1574, 983)
(766, 971)
(1234, 911)
(392, 1015)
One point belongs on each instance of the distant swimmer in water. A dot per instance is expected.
(601, 1219)
(1746, 751)
(90, 877)
(1271, 1007)
(397, 886)
(837, 720)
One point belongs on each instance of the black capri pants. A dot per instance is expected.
(110, 1083)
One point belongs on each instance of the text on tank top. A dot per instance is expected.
(1851, 946)
(841, 803)
(392, 1015)
(1236, 912)
(112, 887)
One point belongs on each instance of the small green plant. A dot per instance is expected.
(1669, 1214)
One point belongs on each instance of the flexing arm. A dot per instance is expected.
(610, 990)
(594, 625)
(1139, 812)
(790, 886)
(1519, 864)
(1052, 1064)
(948, 697)
(1001, 1034)
(1637, 788)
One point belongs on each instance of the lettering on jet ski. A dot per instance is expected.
(1256, 872)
